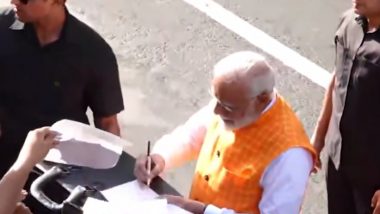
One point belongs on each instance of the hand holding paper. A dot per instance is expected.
(83, 145)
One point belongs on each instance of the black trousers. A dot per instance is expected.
(345, 196)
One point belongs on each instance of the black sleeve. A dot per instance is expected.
(104, 94)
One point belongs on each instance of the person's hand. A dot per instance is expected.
(23, 195)
(318, 145)
(186, 204)
(36, 146)
(141, 171)
(375, 203)
(22, 209)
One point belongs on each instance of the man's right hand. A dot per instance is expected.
(318, 145)
(141, 171)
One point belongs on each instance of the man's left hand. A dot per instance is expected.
(375, 204)
(186, 204)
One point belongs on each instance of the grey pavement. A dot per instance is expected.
(306, 26)
(166, 50)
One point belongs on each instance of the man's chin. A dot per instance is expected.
(20, 18)
(228, 125)
(233, 126)
(358, 9)
(359, 12)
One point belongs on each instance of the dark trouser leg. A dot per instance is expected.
(339, 193)
(362, 198)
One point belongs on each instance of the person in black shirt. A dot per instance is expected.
(350, 118)
(52, 67)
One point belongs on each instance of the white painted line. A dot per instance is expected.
(263, 41)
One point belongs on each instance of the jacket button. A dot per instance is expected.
(207, 177)
(57, 83)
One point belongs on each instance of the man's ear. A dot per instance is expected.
(264, 98)
(262, 101)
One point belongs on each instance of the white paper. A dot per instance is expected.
(133, 190)
(157, 206)
(83, 145)
(121, 206)
(172, 209)
(94, 206)
(136, 197)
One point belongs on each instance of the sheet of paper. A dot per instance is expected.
(172, 209)
(136, 197)
(156, 206)
(84, 145)
(132, 191)
(95, 206)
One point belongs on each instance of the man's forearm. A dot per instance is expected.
(111, 128)
(325, 115)
(11, 186)
(175, 148)
(109, 124)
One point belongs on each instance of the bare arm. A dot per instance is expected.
(109, 124)
(324, 118)
(35, 148)
(11, 186)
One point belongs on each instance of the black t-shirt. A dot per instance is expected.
(360, 123)
(41, 85)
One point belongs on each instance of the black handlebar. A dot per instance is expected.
(36, 189)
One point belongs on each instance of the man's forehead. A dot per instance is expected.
(229, 92)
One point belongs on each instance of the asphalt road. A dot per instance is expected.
(306, 26)
(166, 50)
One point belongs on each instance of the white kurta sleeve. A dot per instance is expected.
(211, 209)
(284, 182)
(184, 143)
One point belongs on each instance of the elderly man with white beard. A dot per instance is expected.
(253, 155)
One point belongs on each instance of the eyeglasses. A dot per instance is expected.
(227, 108)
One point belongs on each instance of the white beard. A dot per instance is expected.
(246, 121)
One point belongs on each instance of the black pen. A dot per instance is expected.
(149, 164)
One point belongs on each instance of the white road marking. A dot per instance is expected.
(258, 38)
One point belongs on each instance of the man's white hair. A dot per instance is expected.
(247, 66)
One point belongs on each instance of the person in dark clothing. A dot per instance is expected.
(52, 67)
(349, 123)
